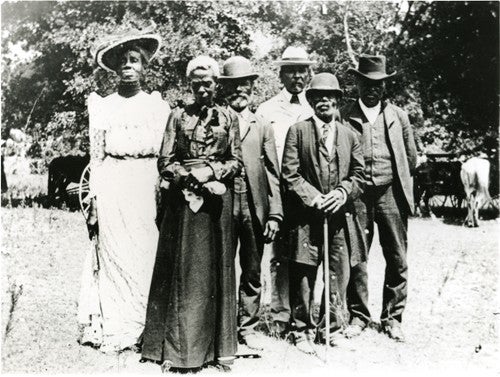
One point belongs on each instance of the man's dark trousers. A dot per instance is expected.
(385, 206)
(303, 279)
(249, 232)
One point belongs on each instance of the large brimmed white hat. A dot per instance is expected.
(108, 52)
(294, 56)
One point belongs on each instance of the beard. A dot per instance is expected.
(238, 102)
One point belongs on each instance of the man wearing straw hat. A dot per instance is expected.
(390, 158)
(281, 111)
(323, 173)
(257, 207)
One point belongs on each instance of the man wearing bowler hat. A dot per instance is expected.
(390, 157)
(281, 111)
(323, 173)
(257, 207)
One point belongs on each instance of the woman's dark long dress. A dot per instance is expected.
(191, 315)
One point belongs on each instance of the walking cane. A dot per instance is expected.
(327, 286)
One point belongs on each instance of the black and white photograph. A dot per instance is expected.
(252, 188)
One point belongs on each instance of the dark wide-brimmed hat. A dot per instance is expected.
(371, 67)
(324, 82)
(237, 67)
(294, 56)
(108, 53)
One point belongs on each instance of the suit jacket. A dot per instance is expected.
(401, 142)
(261, 166)
(301, 175)
(281, 114)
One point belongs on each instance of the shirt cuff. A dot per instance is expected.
(344, 193)
(316, 201)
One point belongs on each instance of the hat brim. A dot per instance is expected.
(281, 63)
(310, 91)
(251, 76)
(376, 76)
(149, 42)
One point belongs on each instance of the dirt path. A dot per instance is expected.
(450, 320)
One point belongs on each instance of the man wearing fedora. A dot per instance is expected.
(257, 210)
(390, 155)
(281, 111)
(323, 173)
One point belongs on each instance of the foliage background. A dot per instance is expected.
(445, 53)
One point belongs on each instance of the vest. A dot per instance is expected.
(378, 160)
(329, 169)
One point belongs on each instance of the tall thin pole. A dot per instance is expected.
(326, 275)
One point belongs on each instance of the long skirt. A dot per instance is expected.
(115, 287)
(191, 316)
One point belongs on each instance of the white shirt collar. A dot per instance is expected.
(244, 114)
(288, 96)
(371, 113)
(320, 123)
(331, 136)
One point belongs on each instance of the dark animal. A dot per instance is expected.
(63, 171)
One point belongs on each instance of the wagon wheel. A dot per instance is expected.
(84, 191)
(456, 201)
(437, 201)
(495, 201)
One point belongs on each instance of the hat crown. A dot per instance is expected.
(237, 66)
(372, 64)
(324, 81)
(294, 53)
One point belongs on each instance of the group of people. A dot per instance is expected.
(177, 193)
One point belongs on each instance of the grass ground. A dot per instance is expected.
(451, 320)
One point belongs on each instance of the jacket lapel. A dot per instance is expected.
(390, 120)
(313, 143)
(342, 150)
(251, 122)
(357, 117)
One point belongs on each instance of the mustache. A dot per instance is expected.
(234, 96)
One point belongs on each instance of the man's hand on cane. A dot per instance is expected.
(332, 201)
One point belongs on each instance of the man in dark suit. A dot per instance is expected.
(257, 199)
(322, 173)
(390, 158)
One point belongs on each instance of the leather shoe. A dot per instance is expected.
(305, 343)
(252, 341)
(395, 332)
(355, 328)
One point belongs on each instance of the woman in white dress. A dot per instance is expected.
(126, 130)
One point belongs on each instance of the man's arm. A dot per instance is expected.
(291, 171)
(354, 184)
(273, 173)
(409, 141)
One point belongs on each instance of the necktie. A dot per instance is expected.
(326, 131)
(295, 99)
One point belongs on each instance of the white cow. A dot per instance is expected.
(475, 175)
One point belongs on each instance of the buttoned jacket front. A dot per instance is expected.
(302, 180)
(401, 142)
(261, 168)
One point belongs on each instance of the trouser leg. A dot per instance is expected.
(392, 222)
(251, 247)
(280, 303)
(302, 279)
(357, 290)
